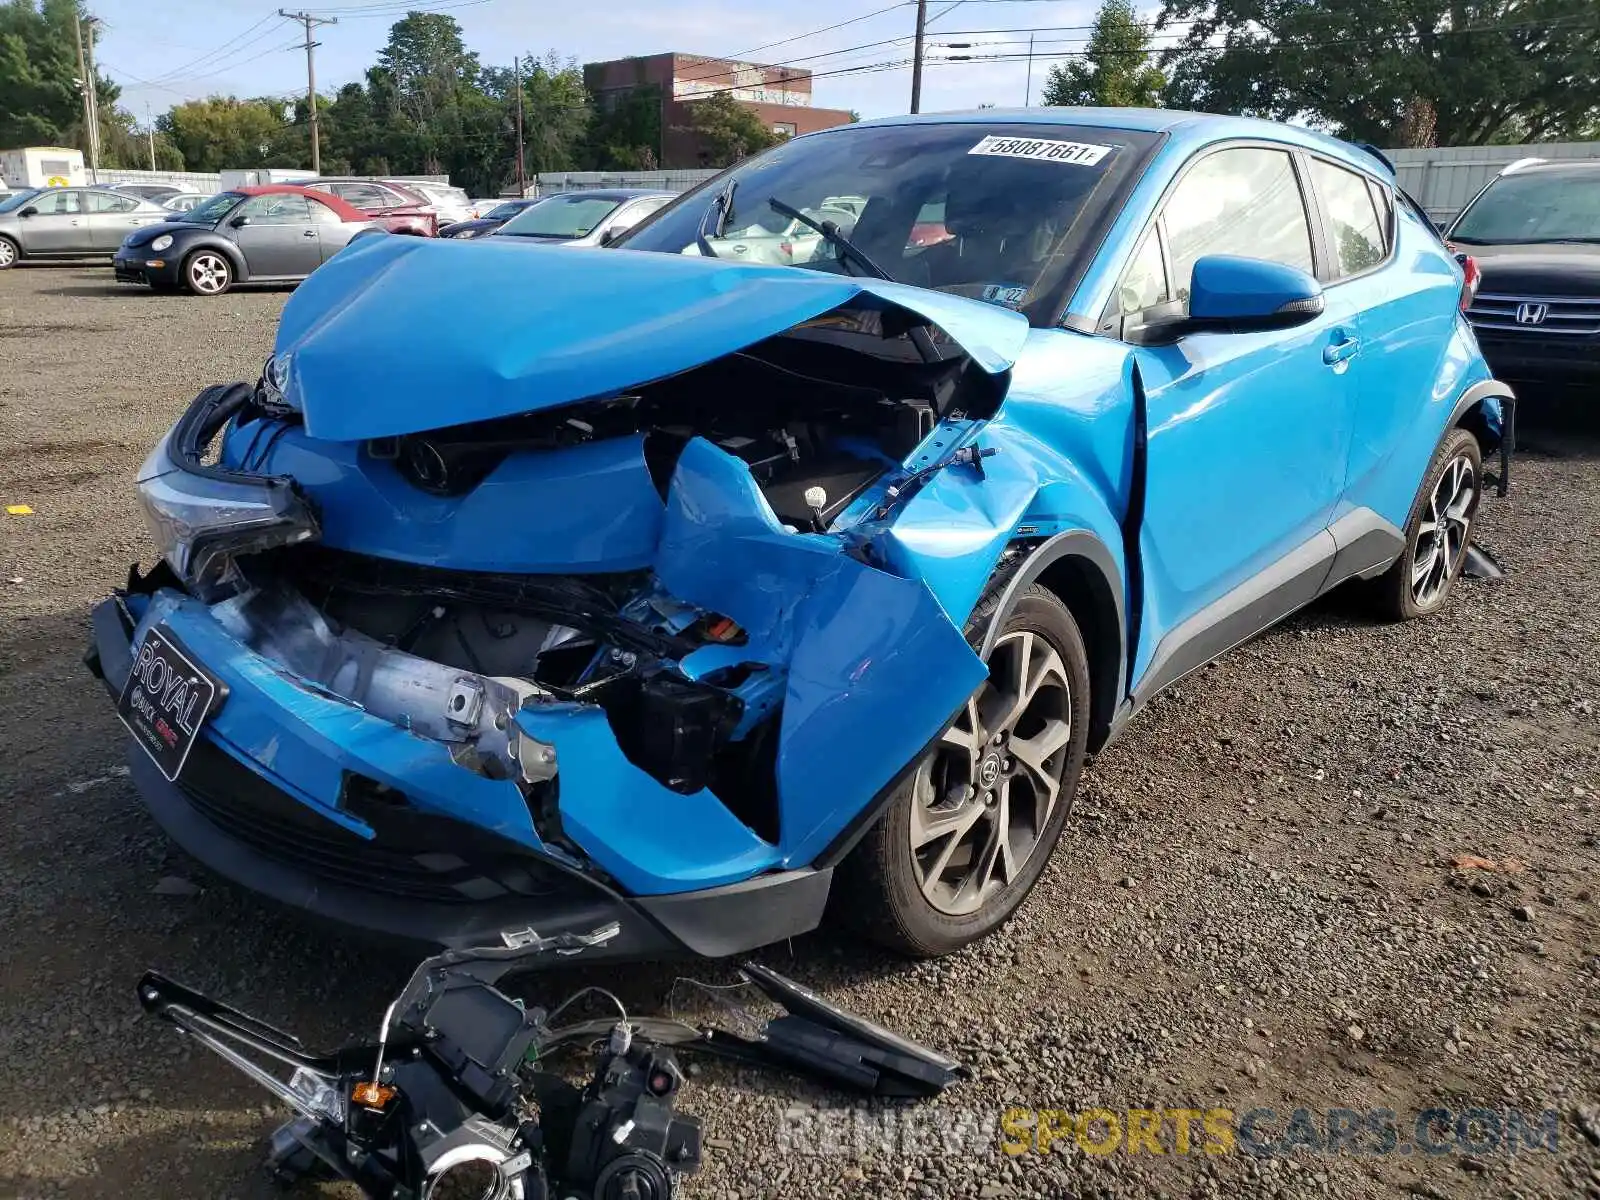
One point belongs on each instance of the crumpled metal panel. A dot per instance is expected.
(513, 328)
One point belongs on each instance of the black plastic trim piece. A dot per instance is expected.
(741, 916)
(1293, 581)
(1367, 543)
(1491, 389)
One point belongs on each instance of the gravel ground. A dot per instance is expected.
(1254, 904)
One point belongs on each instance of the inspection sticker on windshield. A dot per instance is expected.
(1078, 154)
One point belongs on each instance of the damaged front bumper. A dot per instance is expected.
(336, 811)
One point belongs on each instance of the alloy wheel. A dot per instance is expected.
(1442, 535)
(8, 253)
(984, 797)
(208, 273)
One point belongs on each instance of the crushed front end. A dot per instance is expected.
(634, 659)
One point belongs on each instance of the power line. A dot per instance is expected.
(878, 12)
(226, 50)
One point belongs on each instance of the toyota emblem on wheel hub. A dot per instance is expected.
(989, 771)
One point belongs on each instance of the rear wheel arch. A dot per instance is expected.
(1078, 569)
(1470, 414)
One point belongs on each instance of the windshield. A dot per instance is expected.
(1003, 213)
(212, 209)
(563, 217)
(12, 203)
(504, 212)
(1553, 206)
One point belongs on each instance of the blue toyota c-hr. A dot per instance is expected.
(794, 559)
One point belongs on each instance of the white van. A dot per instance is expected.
(42, 166)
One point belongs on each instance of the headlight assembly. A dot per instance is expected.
(202, 516)
(161, 243)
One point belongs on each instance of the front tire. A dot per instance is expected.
(1438, 533)
(966, 835)
(10, 252)
(207, 273)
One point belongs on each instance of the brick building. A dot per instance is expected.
(780, 96)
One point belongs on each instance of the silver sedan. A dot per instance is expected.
(70, 222)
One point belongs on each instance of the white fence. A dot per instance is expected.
(190, 181)
(1443, 180)
(547, 183)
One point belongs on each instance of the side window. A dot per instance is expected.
(1353, 221)
(1145, 282)
(322, 214)
(1246, 202)
(278, 210)
(53, 204)
(362, 195)
(111, 202)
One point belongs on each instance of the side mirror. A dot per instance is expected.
(607, 236)
(239, 222)
(30, 211)
(1243, 295)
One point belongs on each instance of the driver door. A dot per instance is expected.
(1247, 434)
(280, 237)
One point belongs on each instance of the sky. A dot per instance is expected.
(162, 52)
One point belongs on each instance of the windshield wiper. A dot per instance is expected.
(722, 206)
(834, 236)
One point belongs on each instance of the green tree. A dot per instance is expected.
(1394, 72)
(728, 131)
(39, 102)
(1115, 70)
(224, 132)
(627, 136)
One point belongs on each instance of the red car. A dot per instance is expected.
(398, 208)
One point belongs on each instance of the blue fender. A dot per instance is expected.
(875, 667)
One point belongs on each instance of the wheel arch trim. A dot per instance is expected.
(1070, 560)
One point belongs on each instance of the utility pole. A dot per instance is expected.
(150, 129)
(916, 57)
(1027, 93)
(91, 109)
(522, 182)
(311, 22)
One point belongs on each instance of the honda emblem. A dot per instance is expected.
(1530, 313)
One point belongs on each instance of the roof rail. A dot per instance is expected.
(1519, 165)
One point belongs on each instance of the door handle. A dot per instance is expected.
(308, 233)
(1341, 351)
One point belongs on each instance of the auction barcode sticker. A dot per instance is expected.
(1080, 154)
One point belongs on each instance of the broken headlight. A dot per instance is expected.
(199, 522)
(272, 389)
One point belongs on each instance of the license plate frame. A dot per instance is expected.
(167, 699)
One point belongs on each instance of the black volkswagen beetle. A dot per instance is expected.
(274, 234)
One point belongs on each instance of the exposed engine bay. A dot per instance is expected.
(453, 654)
(461, 1094)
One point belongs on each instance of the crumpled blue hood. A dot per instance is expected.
(399, 335)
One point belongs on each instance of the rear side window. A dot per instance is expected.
(362, 195)
(111, 202)
(1244, 201)
(1354, 225)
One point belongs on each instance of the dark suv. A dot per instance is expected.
(1535, 233)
